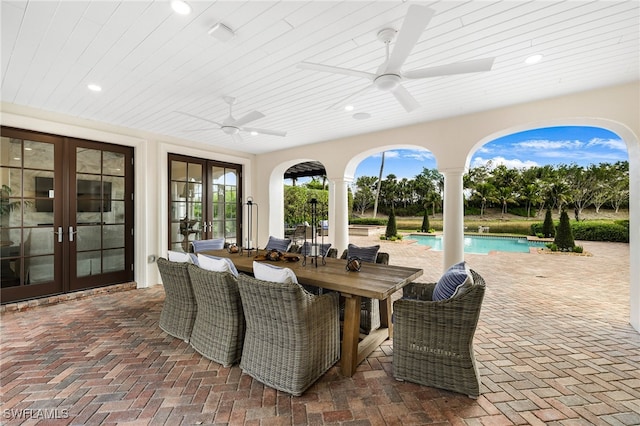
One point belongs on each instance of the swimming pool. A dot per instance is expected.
(478, 244)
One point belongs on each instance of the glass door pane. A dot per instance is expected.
(100, 212)
(29, 240)
(186, 220)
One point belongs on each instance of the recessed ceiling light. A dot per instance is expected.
(181, 7)
(254, 133)
(94, 87)
(361, 115)
(533, 59)
(348, 108)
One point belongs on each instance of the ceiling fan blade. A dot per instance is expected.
(201, 130)
(252, 116)
(237, 138)
(199, 118)
(475, 65)
(264, 132)
(405, 98)
(345, 101)
(335, 70)
(415, 22)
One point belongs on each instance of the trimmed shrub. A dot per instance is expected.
(425, 222)
(564, 236)
(594, 231)
(392, 228)
(548, 230)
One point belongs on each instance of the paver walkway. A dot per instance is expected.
(553, 344)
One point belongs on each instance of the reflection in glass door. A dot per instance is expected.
(66, 214)
(30, 216)
(99, 229)
(204, 201)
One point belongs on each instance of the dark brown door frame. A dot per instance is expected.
(207, 191)
(65, 257)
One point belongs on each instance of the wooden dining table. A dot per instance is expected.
(374, 280)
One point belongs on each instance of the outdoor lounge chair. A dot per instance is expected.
(179, 309)
(218, 330)
(433, 340)
(299, 234)
(292, 336)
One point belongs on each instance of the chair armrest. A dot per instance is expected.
(419, 291)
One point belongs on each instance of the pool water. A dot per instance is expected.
(478, 244)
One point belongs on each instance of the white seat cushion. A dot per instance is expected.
(216, 264)
(266, 272)
(178, 256)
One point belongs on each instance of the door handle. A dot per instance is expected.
(204, 227)
(59, 233)
(71, 233)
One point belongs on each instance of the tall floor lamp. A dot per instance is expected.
(249, 240)
(314, 250)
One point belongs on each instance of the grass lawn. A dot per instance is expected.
(507, 224)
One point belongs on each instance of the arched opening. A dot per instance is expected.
(632, 145)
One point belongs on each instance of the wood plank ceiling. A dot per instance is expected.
(154, 65)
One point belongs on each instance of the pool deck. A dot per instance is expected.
(553, 345)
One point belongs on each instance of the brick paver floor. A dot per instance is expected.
(554, 347)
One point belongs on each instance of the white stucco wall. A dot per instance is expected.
(454, 140)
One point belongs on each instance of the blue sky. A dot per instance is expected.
(552, 145)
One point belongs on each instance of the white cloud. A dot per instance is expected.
(543, 144)
(616, 144)
(419, 155)
(511, 164)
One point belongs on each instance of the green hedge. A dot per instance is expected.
(617, 231)
(368, 221)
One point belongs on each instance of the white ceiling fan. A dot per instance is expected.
(389, 75)
(232, 126)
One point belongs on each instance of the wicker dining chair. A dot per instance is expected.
(292, 336)
(179, 309)
(218, 329)
(370, 308)
(433, 340)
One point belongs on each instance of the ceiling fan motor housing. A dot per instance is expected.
(387, 82)
(230, 130)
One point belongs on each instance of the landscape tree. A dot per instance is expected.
(564, 236)
(364, 196)
(582, 185)
(377, 200)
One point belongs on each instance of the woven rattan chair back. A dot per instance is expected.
(433, 340)
(292, 336)
(370, 308)
(218, 330)
(179, 309)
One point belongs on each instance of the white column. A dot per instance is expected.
(453, 220)
(339, 213)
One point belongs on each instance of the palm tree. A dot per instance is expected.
(375, 204)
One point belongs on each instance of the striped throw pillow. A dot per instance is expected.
(448, 284)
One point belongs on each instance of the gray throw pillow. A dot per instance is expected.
(365, 254)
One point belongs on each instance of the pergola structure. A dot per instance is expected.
(305, 169)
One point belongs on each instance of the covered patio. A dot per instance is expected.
(554, 347)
